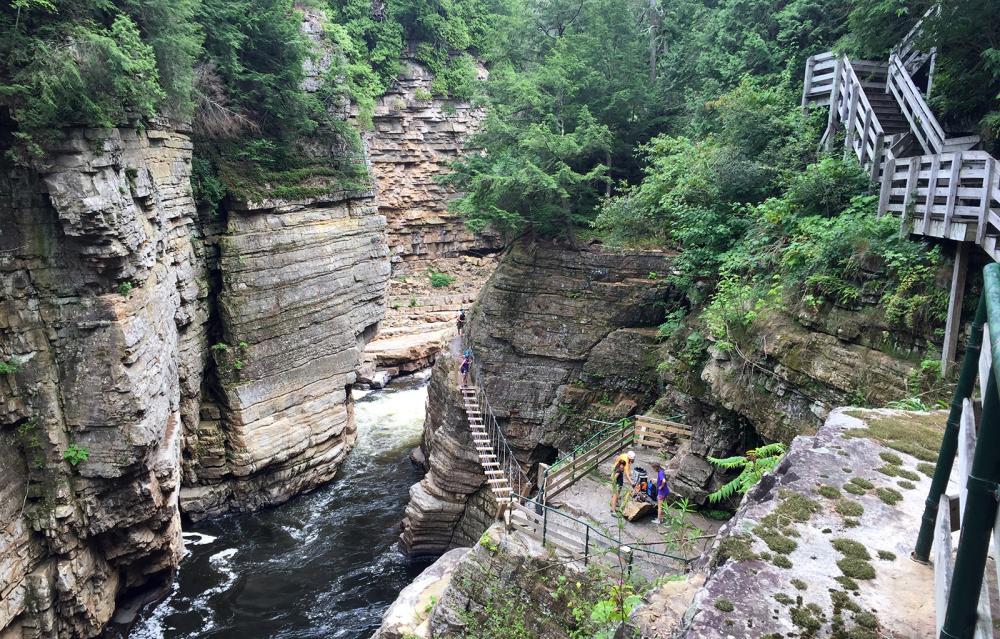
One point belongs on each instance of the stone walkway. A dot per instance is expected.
(589, 499)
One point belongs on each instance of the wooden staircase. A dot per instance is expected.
(486, 444)
(939, 184)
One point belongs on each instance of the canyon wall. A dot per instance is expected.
(199, 363)
(302, 291)
(559, 336)
(415, 135)
(103, 320)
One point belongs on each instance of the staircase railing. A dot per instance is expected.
(584, 542)
(962, 604)
(849, 105)
(911, 102)
(912, 57)
(641, 430)
(945, 188)
(518, 479)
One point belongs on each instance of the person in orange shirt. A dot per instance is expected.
(620, 475)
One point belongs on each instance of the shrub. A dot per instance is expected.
(125, 289)
(439, 279)
(8, 367)
(76, 454)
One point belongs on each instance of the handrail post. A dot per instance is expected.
(586, 546)
(949, 442)
(545, 523)
(978, 518)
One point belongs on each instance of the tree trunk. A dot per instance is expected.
(654, 33)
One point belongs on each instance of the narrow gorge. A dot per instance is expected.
(540, 319)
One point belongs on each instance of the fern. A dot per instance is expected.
(756, 463)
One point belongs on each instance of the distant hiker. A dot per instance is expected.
(660, 484)
(622, 469)
(461, 320)
(464, 368)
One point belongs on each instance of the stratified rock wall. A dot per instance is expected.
(103, 318)
(415, 136)
(303, 288)
(558, 335)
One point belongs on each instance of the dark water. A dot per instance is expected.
(322, 565)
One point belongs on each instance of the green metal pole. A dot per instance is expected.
(983, 490)
(977, 524)
(949, 443)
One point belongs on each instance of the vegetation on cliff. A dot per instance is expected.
(238, 69)
(680, 127)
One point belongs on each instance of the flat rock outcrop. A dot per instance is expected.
(559, 336)
(821, 546)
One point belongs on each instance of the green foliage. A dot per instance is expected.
(76, 454)
(439, 279)
(125, 289)
(753, 466)
(81, 66)
(8, 367)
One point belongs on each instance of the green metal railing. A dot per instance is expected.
(555, 524)
(983, 484)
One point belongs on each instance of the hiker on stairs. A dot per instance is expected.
(622, 472)
(464, 368)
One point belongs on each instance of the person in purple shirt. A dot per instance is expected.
(661, 491)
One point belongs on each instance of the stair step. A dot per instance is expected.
(492, 464)
(498, 473)
(498, 482)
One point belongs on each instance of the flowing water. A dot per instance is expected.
(322, 565)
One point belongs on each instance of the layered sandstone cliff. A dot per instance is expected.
(415, 135)
(302, 291)
(102, 317)
(563, 335)
(559, 336)
(196, 363)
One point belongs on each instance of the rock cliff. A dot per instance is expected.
(559, 336)
(162, 361)
(781, 381)
(302, 291)
(415, 135)
(104, 322)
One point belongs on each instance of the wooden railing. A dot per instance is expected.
(849, 105)
(653, 432)
(821, 69)
(586, 457)
(642, 430)
(945, 190)
(911, 55)
(911, 102)
(961, 595)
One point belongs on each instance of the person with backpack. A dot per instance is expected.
(660, 485)
(461, 321)
(622, 469)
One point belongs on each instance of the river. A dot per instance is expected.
(322, 565)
